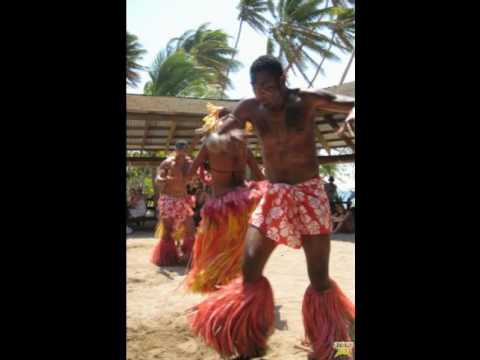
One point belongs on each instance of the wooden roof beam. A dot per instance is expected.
(163, 133)
(161, 117)
(160, 147)
(343, 137)
(197, 118)
(321, 139)
(331, 159)
(336, 159)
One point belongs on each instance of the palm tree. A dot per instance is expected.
(347, 68)
(134, 55)
(343, 4)
(193, 64)
(251, 12)
(344, 30)
(173, 73)
(297, 29)
(210, 50)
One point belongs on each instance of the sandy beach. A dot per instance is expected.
(157, 303)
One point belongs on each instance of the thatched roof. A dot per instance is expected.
(347, 89)
(155, 122)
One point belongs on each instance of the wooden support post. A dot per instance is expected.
(321, 139)
(145, 134)
(171, 132)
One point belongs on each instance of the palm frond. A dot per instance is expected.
(281, 9)
(135, 53)
(307, 11)
(343, 3)
(209, 49)
(251, 12)
(172, 75)
(271, 8)
(290, 7)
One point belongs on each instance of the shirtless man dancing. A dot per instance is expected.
(294, 211)
(219, 240)
(175, 209)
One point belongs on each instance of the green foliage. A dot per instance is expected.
(304, 28)
(327, 170)
(299, 28)
(140, 177)
(209, 49)
(134, 55)
(192, 65)
(251, 12)
(175, 73)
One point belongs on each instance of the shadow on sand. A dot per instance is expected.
(166, 270)
(139, 234)
(279, 323)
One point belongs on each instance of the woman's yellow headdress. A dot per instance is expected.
(212, 121)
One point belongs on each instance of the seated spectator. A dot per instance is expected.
(343, 220)
(349, 200)
(129, 229)
(136, 204)
(338, 215)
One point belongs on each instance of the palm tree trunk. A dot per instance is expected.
(323, 59)
(305, 77)
(288, 67)
(238, 35)
(348, 67)
(321, 62)
(233, 56)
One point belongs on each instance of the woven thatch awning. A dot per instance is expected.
(347, 89)
(155, 122)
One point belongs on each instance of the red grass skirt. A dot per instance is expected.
(328, 317)
(220, 238)
(187, 247)
(165, 253)
(237, 319)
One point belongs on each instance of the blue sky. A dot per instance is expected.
(155, 22)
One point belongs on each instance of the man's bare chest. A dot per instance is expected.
(177, 169)
(285, 128)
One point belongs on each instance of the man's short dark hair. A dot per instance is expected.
(331, 179)
(181, 144)
(265, 63)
